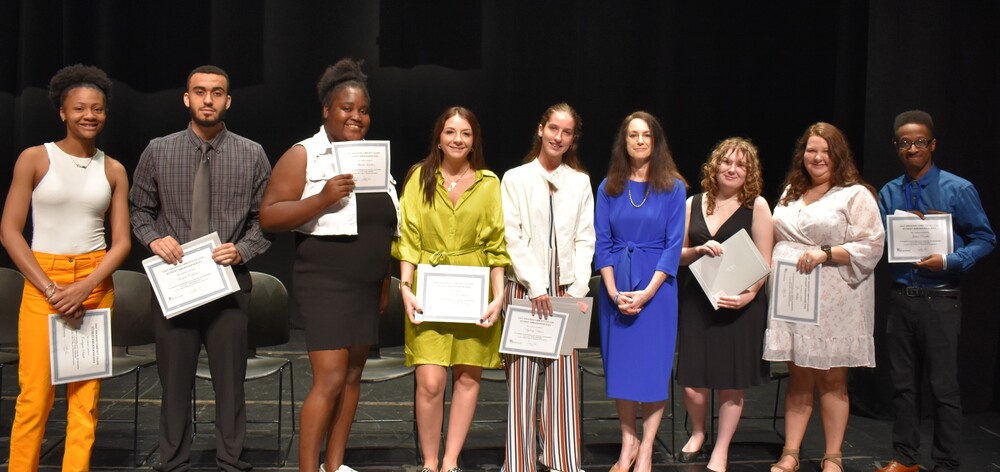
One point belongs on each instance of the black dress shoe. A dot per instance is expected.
(683, 456)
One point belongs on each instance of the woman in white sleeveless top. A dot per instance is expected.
(71, 187)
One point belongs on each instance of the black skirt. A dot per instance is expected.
(337, 280)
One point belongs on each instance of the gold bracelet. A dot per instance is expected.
(405, 284)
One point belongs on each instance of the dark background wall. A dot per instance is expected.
(708, 70)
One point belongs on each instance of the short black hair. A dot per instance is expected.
(919, 117)
(345, 73)
(208, 69)
(78, 75)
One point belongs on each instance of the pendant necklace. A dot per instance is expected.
(454, 183)
(644, 197)
(73, 160)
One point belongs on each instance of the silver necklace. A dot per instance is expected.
(454, 183)
(644, 197)
(73, 160)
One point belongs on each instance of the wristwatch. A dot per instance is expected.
(829, 252)
(405, 284)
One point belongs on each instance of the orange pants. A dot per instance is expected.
(33, 372)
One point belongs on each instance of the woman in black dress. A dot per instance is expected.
(721, 349)
(342, 259)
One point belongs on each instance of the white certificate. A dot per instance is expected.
(526, 334)
(80, 352)
(194, 282)
(367, 161)
(794, 296)
(739, 267)
(457, 294)
(581, 310)
(911, 238)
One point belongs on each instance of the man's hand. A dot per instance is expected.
(168, 249)
(933, 263)
(226, 254)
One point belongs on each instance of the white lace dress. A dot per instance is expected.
(847, 217)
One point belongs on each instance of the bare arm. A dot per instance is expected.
(762, 233)
(69, 298)
(493, 309)
(410, 305)
(29, 169)
(283, 208)
(690, 254)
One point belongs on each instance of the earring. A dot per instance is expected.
(439, 146)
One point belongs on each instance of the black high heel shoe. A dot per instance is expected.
(692, 456)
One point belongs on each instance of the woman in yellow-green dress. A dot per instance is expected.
(451, 214)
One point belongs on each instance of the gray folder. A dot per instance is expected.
(739, 267)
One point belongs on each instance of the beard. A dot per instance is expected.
(220, 116)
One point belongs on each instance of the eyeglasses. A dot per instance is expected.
(904, 144)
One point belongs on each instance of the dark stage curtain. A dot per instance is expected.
(708, 70)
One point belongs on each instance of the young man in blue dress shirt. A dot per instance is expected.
(925, 308)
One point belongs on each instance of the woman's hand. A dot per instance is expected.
(635, 301)
(411, 306)
(809, 260)
(541, 306)
(338, 187)
(492, 313)
(68, 299)
(711, 247)
(735, 302)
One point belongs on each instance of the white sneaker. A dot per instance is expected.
(342, 468)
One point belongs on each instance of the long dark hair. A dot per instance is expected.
(662, 169)
(430, 164)
(570, 158)
(844, 173)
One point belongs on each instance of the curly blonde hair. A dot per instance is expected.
(752, 184)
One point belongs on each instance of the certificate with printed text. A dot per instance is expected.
(367, 161)
(794, 296)
(457, 294)
(911, 238)
(526, 334)
(193, 282)
(80, 350)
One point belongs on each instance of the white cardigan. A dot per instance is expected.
(525, 192)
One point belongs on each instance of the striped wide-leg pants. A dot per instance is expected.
(559, 426)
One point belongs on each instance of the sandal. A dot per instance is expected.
(794, 454)
(835, 459)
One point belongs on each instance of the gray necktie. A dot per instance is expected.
(201, 200)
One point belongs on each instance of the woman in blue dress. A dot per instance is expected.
(639, 222)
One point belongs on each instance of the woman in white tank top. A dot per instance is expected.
(71, 188)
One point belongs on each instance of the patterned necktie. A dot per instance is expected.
(201, 199)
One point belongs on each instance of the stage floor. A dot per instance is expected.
(390, 446)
